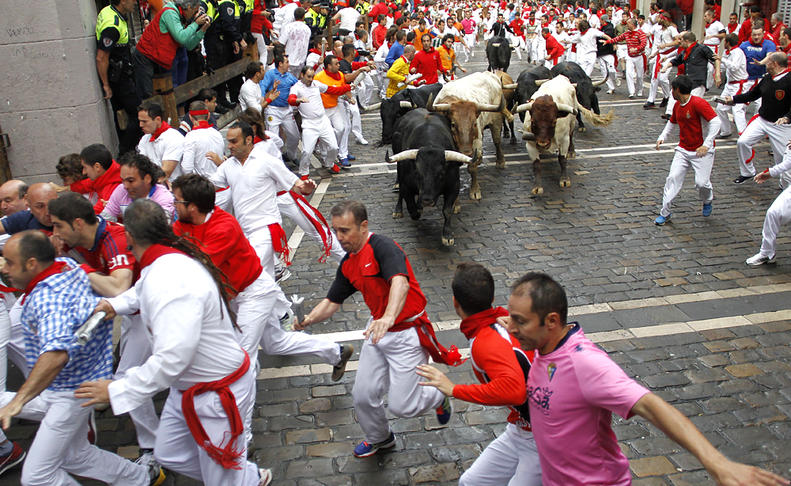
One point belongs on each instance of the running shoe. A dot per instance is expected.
(660, 220)
(340, 368)
(742, 179)
(707, 210)
(364, 449)
(16, 456)
(335, 169)
(759, 259)
(444, 411)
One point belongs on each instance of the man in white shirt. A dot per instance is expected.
(254, 177)
(586, 45)
(296, 37)
(664, 49)
(202, 139)
(250, 94)
(306, 95)
(183, 303)
(283, 16)
(735, 64)
(161, 143)
(715, 33)
(348, 17)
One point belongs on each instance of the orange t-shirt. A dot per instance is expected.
(330, 101)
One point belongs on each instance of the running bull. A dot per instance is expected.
(390, 110)
(586, 89)
(428, 166)
(472, 104)
(498, 53)
(549, 125)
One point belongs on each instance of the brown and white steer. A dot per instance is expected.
(472, 104)
(549, 125)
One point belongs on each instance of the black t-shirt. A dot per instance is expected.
(775, 97)
(346, 66)
(390, 257)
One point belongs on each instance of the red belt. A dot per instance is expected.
(228, 457)
(741, 85)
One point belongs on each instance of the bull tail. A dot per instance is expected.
(597, 120)
(509, 117)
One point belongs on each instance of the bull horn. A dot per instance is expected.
(574, 85)
(404, 155)
(524, 107)
(453, 156)
(566, 108)
(510, 86)
(528, 137)
(372, 107)
(406, 104)
(539, 82)
(491, 107)
(442, 107)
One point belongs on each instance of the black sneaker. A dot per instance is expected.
(723, 136)
(649, 105)
(221, 110)
(742, 179)
(340, 368)
(663, 103)
(665, 116)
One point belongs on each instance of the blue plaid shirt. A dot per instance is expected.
(53, 311)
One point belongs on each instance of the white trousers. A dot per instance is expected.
(778, 214)
(469, 39)
(61, 446)
(510, 459)
(283, 116)
(739, 110)
(587, 62)
(710, 70)
(659, 79)
(682, 161)
(635, 70)
(177, 450)
(353, 111)
(261, 45)
(697, 91)
(607, 67)
(622, 52)
(135, 350)
(261, 241)
(313, 131)
(288, 208)
(755, 131)
(12, 344)
(339, 119)
(388, 367)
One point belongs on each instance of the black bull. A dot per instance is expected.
(428, 166)
(400, 104)
(586, 90)
(498, 53)
(526, 85)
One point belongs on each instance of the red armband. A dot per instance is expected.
(292, 100)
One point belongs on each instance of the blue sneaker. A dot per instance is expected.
(706, 209)
(364, 449)
(444, 411)
(351, 157)
(660, 220)
(345, 164)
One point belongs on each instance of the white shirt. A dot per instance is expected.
(665, 36)
(254, 187)
(314, 108)
(594, 21)
(349, 18)
(192, 336)
(735, 63)
(283, 16)
(296, 37)
(250, 95)
(169, 145)
(197, 143)
(586, 43)
(713, 29)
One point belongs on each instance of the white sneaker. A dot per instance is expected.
(362, 141)
(759, 259)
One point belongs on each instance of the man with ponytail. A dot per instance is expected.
(182, 299)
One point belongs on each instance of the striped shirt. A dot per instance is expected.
(635, 41)
(52, 312)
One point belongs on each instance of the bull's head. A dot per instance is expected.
(463, 116)
(430, 167)
(390, 111)
(544, 114)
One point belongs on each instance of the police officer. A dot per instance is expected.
(224, 46)
(114, 64)
(316, 18)
(363, 7)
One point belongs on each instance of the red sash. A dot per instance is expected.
(316, 219)
(429, 342)
(279, 241)
(228, 456)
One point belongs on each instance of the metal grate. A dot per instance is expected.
(784, 9)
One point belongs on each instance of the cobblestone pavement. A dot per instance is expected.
(674, 305)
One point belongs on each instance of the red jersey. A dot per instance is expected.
(688, 117)
(221, 237)
(554, 48)
(427, 64)
(109, 252)
(516, 26)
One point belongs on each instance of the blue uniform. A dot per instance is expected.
(756, 53)
(396, 51)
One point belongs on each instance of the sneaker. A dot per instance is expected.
(618, 82)
(631, 97)
(707, 210)
(364, 449)
(265, 475)
(92, 428)
(665, 116)
(335, 169)
(156, 474)
(723, 136)
(351, 157)
(742, 179)
(362, 141)
(340, 368)
(444, 411)
(754, 261)
(345, 164)
(304, 177)
(610, 91)
(660, 220)
(663, 103)
(146, 457)
(282, 275)
(220, 110)
(396, 187)
(16, 456)
(648, 105)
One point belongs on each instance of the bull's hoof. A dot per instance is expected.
(398, 215)
(500, 164)
(537, 191)
(565, 182)
(571, 155)
(416, 215)
(448, 241)
(456, 208)
(581, 129)
(475, 195)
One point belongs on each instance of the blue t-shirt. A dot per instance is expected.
(756, 53)
(396, 51)
(21, 221)
(287, 80)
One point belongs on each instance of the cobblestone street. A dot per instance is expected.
(675, 306)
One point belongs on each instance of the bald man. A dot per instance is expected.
(35, 218)
(12, 197)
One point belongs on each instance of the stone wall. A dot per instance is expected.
(50, 95)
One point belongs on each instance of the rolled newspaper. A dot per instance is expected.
(298, 307)
(85, 331)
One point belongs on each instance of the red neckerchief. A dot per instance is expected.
(474, 323)
(582, 32)
(688, 51)
(51, 270)
(756, 45)
(335, 76)
(159, 131)
(315, 51)
(202, 124)
(155, 251)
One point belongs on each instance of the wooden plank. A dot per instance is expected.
(190, 89)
